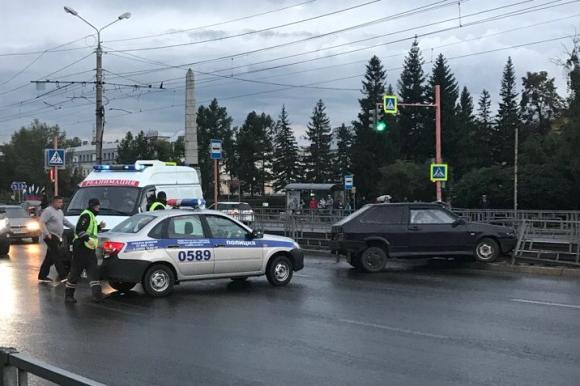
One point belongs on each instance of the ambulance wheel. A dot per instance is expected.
(122, 286)
(158, 280)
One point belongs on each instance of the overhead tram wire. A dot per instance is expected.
(521, 11)
(473, 23)
(215, 24)
(435, 5)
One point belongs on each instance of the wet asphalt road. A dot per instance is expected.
(415, 324)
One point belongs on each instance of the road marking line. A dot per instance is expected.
(546, 303)
(394, 329)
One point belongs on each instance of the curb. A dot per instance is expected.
(558, 271)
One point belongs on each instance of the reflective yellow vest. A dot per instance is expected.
(92, 230)
(155, 205)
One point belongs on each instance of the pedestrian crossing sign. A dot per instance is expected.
(54, 158)
(390, 104)
(438, 172)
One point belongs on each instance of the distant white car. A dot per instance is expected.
(241, 211)
(166, 247)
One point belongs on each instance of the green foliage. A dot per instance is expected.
(495, 182)
(540, 103)
(370, 149)
(254, 152)
(342, 164)
(319, 159)
(507, 118)
(406, 181)
(286, 165)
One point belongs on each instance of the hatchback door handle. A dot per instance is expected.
(219, 245)
(414, 228)
(173, 246)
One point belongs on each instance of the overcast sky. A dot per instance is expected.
(37, 25)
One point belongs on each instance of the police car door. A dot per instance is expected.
(234, 251)
(188, 246)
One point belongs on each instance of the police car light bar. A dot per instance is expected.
(128, 168)
(186, 202)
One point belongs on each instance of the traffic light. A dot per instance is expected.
(377, 119)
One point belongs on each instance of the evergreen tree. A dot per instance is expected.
(507, 118)
(286, 166)
(213, 122)
(318, 162)
(485, 131)
(254, 152)
(369, 148)
(411, 124)
(467, 150)
(343, 159)
(540, 103)
(453, 135)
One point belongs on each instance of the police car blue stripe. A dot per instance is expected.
(146, 245)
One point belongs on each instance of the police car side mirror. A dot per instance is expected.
(256, 234)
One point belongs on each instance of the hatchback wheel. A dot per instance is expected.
(122, 286)
(373, 259)
(158, 281)
(486, 250)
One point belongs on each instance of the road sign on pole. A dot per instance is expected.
(348, 181)
(390, 104)
(215, 149)
(55, 158)
(438, 172)
(18, 186)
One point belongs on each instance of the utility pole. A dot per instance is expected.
(99, 110)
(516, 146)
(55, 168)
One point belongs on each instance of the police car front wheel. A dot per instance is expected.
(158, 280)
(280, 270)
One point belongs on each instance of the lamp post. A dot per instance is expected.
(100, 111)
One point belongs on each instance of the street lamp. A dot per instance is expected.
(100, 111)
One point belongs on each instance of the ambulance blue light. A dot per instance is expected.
(187, 202)
(129, 168)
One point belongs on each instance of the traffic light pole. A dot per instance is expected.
(438, 156)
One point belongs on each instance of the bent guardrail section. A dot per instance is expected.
(15, 368)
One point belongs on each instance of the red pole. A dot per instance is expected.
(438, 158)
(55, 144)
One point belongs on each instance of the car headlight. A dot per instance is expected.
(32, 226)
(509, 235)
(3, 224)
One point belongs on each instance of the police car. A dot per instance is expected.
(163, 248)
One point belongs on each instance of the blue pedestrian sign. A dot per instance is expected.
(348, 182)
(55, 158)
(215, 149)
(390, 104)
(18, 186)
(438, 172)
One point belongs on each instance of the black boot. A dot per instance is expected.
(69, 295)
(97, 293)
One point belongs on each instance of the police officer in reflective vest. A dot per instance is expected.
(160, 203)
(84, 256)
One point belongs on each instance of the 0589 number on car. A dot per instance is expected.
(196, 255)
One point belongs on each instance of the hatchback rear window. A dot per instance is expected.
(384, 214)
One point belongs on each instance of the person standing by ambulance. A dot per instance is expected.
(160, 203)
(84, 253)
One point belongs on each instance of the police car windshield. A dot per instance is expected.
(115, 200)
(133, 224)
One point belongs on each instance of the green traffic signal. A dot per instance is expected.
(381, 126)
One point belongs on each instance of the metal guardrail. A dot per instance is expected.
(15, 368)
(549, 241)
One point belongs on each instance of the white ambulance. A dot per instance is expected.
(123, 190)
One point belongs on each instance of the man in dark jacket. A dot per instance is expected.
(84, 257)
